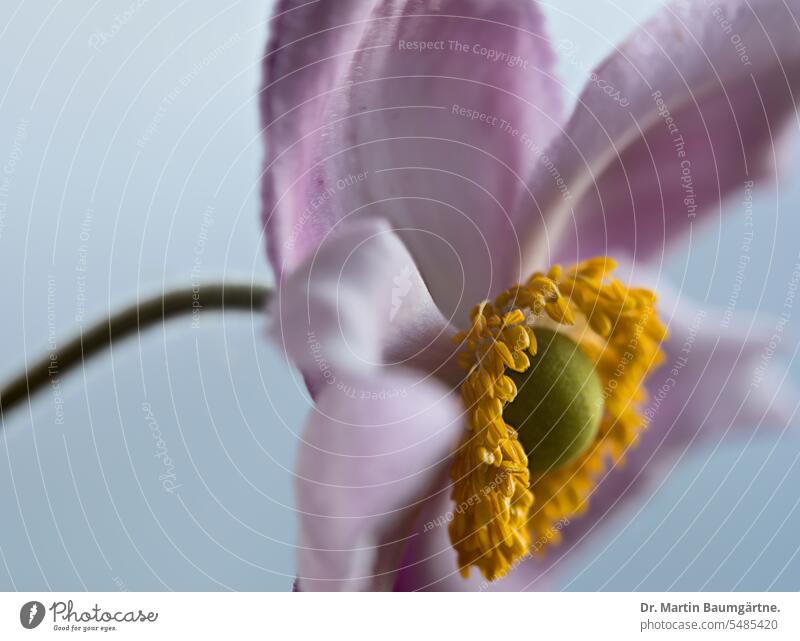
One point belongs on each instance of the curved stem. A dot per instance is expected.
(132, 319)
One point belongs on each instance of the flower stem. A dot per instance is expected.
(130, 320)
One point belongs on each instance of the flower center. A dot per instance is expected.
(559, 403)
(555, 368)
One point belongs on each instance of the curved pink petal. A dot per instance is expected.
(685, 111)
(719, 379)
(310, 48)
(372, 453)
(427, 118)
(723, 373)
(358, 304)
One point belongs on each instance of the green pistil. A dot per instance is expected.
(559, 403)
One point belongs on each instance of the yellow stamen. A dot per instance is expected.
(496, 516)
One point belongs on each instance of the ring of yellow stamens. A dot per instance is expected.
(618, 328)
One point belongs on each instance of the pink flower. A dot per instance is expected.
(418, 162)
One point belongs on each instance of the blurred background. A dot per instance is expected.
(130, 148)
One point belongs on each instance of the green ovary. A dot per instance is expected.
(559, 403)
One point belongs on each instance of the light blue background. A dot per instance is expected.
(142, 134)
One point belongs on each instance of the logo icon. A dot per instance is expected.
(31, 614)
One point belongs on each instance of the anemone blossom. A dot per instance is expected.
(445, 245)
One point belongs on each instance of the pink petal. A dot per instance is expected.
(401, 120)
(372, 453)
(430, 562)
(695, 107)
(358, 304)
(310, 48)
(724, 373)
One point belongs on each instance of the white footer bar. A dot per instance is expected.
(619, 616)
